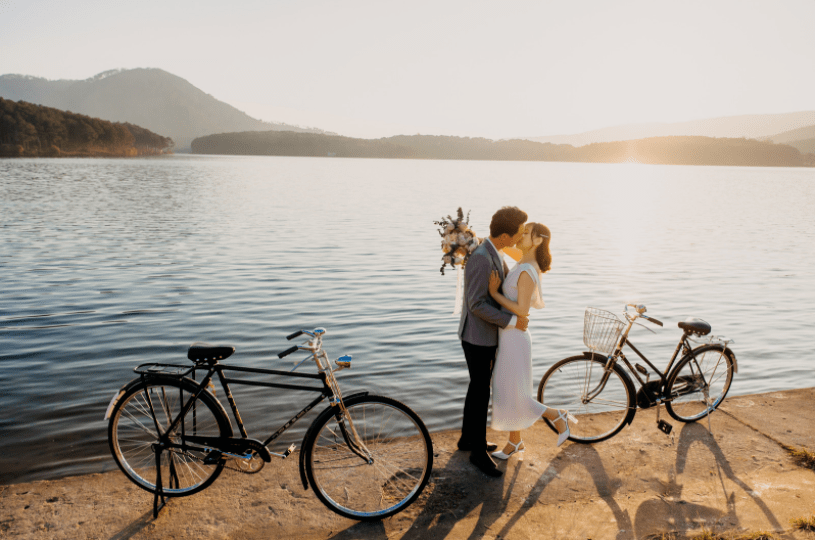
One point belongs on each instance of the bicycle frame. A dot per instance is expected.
(330, 389)
(219, 369)
(618, 354)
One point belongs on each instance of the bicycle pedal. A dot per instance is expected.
(664, 427)
(288, 451)
(213, 458)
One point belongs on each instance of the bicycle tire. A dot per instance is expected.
(705, 368)
(401, 449)
(564, 386)
(132, 431)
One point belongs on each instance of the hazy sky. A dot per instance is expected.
(469, 68)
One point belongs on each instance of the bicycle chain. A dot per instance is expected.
(227, 462)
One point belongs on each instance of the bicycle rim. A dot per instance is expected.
(401, 459)
(704, 372)
(132, 432)
(568, 384)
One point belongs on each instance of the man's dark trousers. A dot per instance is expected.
(480, 361)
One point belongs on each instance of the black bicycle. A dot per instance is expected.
(366, 457)
(596, 389)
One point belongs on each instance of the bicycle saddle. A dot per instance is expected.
(201, 352)
(692, 325)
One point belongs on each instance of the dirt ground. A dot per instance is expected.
(736, 478)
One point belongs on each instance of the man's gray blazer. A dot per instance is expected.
(481, 316)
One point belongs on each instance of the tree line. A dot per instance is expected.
(676, 150)
(33, 130)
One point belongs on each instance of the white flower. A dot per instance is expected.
(446, 245)
(462, 239)
(447, 259)
(463, 227)
(450, 228)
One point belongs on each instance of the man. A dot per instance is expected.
(481, 317)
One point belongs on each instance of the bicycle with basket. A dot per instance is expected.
(365, 457)
(597, 389)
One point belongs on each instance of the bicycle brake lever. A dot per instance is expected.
(649, 329)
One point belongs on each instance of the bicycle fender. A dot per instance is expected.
(732, 355)
(125, 387)
(327, 411)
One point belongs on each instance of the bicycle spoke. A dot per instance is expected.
(133, 432)
(398, 467)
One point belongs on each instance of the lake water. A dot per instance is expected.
(105, 264)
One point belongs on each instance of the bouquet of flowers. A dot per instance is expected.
(458, 241)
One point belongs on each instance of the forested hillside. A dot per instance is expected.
(289, 143)
(655, 150)
(33, 130)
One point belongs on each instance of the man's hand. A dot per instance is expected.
(522, 323)
(495, 282)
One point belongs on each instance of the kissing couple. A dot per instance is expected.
(493, 332)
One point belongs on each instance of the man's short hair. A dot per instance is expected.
(507, 220)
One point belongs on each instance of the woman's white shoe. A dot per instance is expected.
(564, 435)
(502, 455)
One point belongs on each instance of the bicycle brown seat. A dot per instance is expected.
(201, 352)
(692, 325)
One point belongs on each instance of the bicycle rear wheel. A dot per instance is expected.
(401, 458)
(568, 384)
(132, 432)
(699, 383)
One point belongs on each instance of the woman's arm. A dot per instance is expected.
(525, 289)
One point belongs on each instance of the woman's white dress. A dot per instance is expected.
(514, 406)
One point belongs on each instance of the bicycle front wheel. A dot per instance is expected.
(699, 383)
(132, 432)
(602, 408)
(372, 462)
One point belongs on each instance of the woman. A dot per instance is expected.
(513, 405)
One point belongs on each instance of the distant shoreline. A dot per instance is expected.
(57, 153)
(675, 150)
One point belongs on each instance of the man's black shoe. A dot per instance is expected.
(485, 464)
(465, 446)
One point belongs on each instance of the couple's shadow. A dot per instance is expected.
(459, 490)
(453, 493)
(506, 499)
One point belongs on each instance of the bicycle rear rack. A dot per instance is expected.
(173, 370)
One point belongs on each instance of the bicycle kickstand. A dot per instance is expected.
(664, 426)
(159, 487)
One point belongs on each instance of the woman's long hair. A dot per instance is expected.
(542, 253)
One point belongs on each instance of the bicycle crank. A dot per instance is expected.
(251, 465)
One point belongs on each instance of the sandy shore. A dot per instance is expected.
(739, 477)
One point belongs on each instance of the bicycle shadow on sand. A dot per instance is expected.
(684, 516)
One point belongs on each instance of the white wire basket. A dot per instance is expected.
(601, 330)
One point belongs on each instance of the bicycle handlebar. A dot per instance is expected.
(653, 320)
(294, 335)
(288, 351)
(641, 309)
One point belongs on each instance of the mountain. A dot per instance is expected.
(654, 150)
(753, 126)
(151, 98)
(802, 138)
